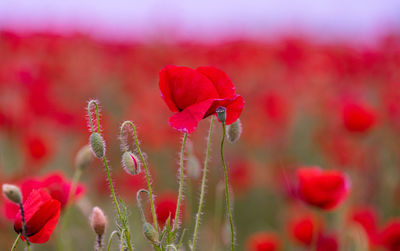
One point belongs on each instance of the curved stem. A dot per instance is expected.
(181, 182)
(139, 203)
(24, 225)
(228, 204)
(153, 208)
(15, 242)
(203, 186)
(110, 239)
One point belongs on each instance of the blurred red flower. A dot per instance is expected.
(327, 243)
(304, 229)
(322, 189)
(54, 183)
(166, 206)
(367, 218)
(390, 235)
(263, 241)
(196, 94)
(41, 216)
(358, 117)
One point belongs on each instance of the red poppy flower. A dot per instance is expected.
(263, 241)
(166, 207)
(358, 117)
(390, 235)
(55, 184)
(41, 216)
(367, 218)
(327, 243)
(323, 189)
(304, 229)
(196, 94)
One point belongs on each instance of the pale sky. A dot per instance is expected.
(204, 20)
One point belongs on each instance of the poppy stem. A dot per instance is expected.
(16, 242)
(148, 179)
(228, 203)
(121, 219)
(181, 182)
(24, 232)
(203, 186)
(110, 239)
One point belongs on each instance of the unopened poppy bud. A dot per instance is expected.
(97, 144)
(234, 131)
(130, 163)
(84, 158)
(150, 232)
(98, 221)
(13, 193)
(221, 114)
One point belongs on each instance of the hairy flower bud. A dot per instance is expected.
(150, 233)
(84, 158)
(130, 163)
(13, 193)
(97, 144)
(221, 114)
(98, 221)
(234, 131)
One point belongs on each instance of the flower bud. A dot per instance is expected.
(150, 233)
(98, 221)
(234, 131)
(97, 144)
(130, 163)
(84, 158)
(221, 114)
(13, 193)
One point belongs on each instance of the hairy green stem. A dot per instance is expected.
(16, 242)
(24, 226)
(181, 182)
(110, 239)
(203, 186)
(148, 181)
(125, 227)
(228, 203)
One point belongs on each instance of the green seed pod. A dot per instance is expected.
(97, 144)
(234, 131)
(150, 233)
(13, 193)
(130, 163)
(221, 114)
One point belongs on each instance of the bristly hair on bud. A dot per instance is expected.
(131, 163)
(97, 144)
(84, 157)
(13, 193)
(93, 114)
(150, 233)
(221, 114)
(234, 131)
(98, 221)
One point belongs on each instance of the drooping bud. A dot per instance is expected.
(221, 114)
(97, 144)
(150, 233)
(98, 221)
(234, 131)
(84, 158)
(131, 163)
(13, 193)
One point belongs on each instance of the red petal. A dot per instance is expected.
(233, 107)
(182, 87)
(44, 221)
(221, 81)
(187, 120)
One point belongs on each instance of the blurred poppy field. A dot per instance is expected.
(316, 166)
